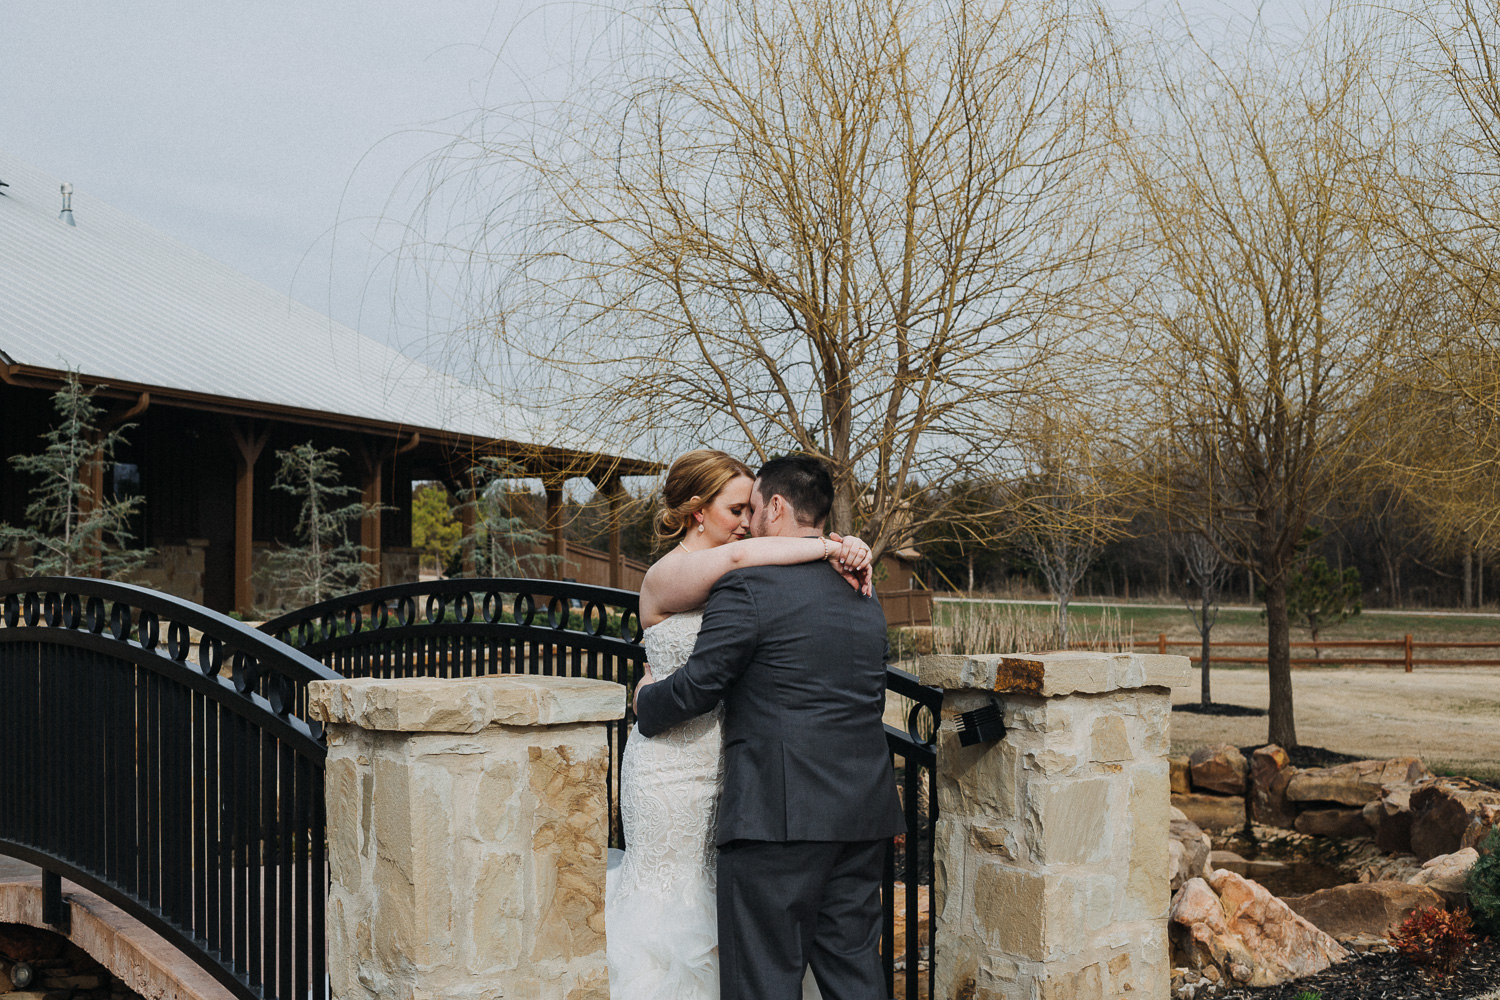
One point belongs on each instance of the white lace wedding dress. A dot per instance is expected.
(661, 924)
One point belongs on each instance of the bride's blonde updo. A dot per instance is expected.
(692, 483)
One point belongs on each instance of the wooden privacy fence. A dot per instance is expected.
(1403, 652)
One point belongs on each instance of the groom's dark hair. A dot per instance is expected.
(804, 482)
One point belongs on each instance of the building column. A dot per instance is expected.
(615, 490)
(250, 443)
(557, 541)
(468, 827)
(1050, 856)
(369, 525)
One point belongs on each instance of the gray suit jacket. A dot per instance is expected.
(803, 686)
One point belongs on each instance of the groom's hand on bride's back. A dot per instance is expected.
(646, 678)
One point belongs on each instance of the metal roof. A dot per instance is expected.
(116, 301)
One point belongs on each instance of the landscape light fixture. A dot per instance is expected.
(67, 210)
(982, 725)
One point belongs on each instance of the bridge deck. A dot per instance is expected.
(119, 942)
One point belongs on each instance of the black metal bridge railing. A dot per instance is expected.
(185, 790)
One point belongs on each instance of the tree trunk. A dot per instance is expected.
(1468, 575)
(971, 574)
(1203, 659)
(1283, 727)
(1063, 597)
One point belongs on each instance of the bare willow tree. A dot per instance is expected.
(1264, 322)
(1443, 413)
(1071, 500)
(850, 228)
(1204, 574)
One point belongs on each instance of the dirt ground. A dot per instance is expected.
(1448, 717)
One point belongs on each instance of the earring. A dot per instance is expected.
(700, 528)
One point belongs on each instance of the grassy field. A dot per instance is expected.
(1145, 622)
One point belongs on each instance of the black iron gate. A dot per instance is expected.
(466, 628)
(185, 790)
(188, 789)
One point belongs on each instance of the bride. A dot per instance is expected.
(659, 910)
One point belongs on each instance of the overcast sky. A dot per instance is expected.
(269, 134)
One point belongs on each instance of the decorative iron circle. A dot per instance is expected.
(406, 610)
(52, 609)
(437, 607)
(210, 655)
(921, 724)
(594, 618)
(354, 620)
(465, 602)
(326, 627)
(530, 606)
(559, 612)
(12, 610)
(119, 621)
(246, 672)
(630, 626)
(236, 662)
(72, 611)
(279, 693)
(96, 616)
(380, 615)
(148, 631)
(304, 634)
(178, 641)
(494, 608)
(33, 606)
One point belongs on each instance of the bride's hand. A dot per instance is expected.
(852, 553)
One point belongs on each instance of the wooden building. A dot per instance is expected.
(216, 373)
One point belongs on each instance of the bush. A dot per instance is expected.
(1435, 939)
(1484, 885)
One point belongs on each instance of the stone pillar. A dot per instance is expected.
(467, 836)
(1051, 848)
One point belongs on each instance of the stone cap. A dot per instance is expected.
(1052, 675)
(464, 704)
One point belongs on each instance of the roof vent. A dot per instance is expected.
(66, 214)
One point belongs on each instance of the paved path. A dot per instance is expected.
(11, 869)
(1450, 717)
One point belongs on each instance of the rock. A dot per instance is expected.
(1188, 849)
(1389, 817)
(1270, 772)
(1234, 925)
(1178, 769)
(1353, 784)
(1363, 909)
(1223, 859)
(1342, 823)
(1447, 874)
(1219, 813)
(1448, 814)
(1220, 768)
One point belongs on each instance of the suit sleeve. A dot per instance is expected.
(726, 644)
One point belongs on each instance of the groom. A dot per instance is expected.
(809, 801)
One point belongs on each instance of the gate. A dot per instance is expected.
(188, 789)
(189, 794)
(468, 628)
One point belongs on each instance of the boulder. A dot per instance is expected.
(1220, 768)
(1188, 850)
(1389, 819)
(1178, 769)
(1217, 813)
(1448, 814)
(1363, 909)
(1355, 783)
(1447, 875)
(1270, 772)
(1234, 925)
(1343, 823)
